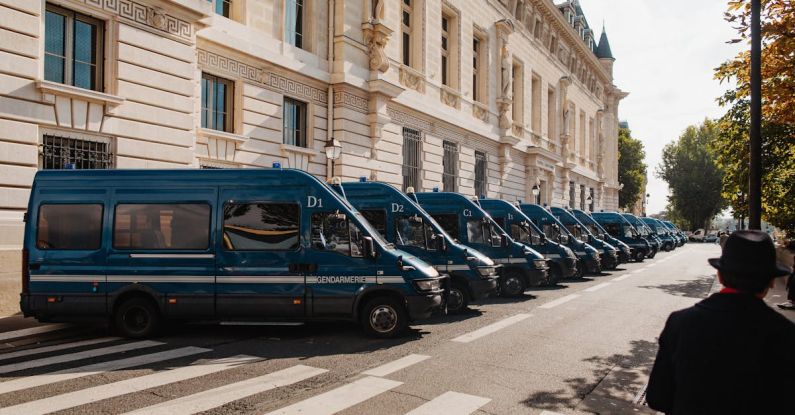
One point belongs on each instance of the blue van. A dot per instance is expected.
(142, 246)
(616, 225)
(587, 256)
(659, 230)
(624, 252)
(521, 266)
(473, 276)
(680, 236)
(608, 253)
(562, 261)
(645, 233)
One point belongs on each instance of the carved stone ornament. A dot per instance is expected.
(412, 79)
(564, 146)
(450, 97)
(517, 130)
(157, 18)
(504, 107)
(480, 112)
(377, 35)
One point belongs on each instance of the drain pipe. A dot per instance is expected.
(330, 96)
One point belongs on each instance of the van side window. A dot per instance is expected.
(377, 218)
(262, 226)
(69, 227)
(448, 222)
(476, 232)
(331, 231)
(162, 226)
(410, 231)
(613, 229)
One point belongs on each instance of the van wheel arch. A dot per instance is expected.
(374, 292)
(462, 284)
(135, 291)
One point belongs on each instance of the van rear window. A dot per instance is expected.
(261, 226)
(162, 226)
(69, 227)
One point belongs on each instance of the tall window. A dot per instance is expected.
(481, 178)
(535, 122)
(542, 192)
(294, 22)
(582, 197)
(70, 153)
(73, 48)
(450, 167)
(572, 195)
(593, 199)
(406, 29)
(551, 114)
(445, 50)
(294, 123)
(412, 152)
(583, 152)
(476, 69)
(480, 64)
(217, 98)
(223, 7)
(591, 140)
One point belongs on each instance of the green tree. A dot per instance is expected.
(688, 165)
(631, 169)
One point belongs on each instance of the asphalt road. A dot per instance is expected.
(585, 346)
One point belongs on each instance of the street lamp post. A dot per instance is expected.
(333, 150)
(755, 162)
(741, 201)
(589, 202)
(536, 194)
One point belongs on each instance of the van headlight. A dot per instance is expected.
(626, 250)
(540, 263)
(427, 285)
(487, 271)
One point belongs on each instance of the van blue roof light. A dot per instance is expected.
(277, 165)
(436, 190)
(362, 179)
(70, 166)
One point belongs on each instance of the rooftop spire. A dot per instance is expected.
(603, 50)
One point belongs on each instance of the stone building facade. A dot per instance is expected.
(483, 97)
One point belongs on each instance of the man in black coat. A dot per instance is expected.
(730, 353)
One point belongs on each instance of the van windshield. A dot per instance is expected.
(372, 232)
(525, 233)
(483, 232)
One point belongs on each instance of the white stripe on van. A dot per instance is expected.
(258, 279)
(13, 367)
(510, 260)
(173, 256)
(213, 398)
(205, 279)
(67, 278)
(391, 280)
(112, 390)
(96, 368)
(458, 267)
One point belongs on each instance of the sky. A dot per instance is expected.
(666, 52)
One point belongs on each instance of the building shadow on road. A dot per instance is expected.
(612, 385)
(698, 288)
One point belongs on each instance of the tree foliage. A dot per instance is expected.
(631, 169)
(778, 58)
(778, 113)
(688, 165)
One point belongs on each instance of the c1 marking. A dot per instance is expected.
(467, 213)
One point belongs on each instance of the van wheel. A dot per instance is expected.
(457, 299)
(384, 318)
(554, 275)
(580, 274)
(639, 256)
(512, 284)
(137, 318)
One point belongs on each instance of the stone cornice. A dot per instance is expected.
(166, 21)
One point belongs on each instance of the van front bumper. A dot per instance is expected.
(538, 276)
(483, 288)
(420, 307)
(592, 265)
(609, 260)
(568, 266)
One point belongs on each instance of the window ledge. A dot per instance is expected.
(54, 88)
(221, 135)
(287, 148)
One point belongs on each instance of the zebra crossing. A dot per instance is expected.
(29, 368)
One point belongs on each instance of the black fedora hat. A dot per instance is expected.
(750, 254)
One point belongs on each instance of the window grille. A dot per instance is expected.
(63, 153)
(480, 174)
(412, 154)
(450, 167)
(572, 195)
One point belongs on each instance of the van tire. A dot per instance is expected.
(137, 318)
(554, 275)
(512, 284)
(383, 318)
(457, 299)
(639, 256)
(580, 274)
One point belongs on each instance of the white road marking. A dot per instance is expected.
(13, 367)
(340, 398)
(451, 403)
(16, 334)
(96, 368)
(559, 301)
(213, 398)
(621, 278)
(637, 271)
(396, 365)
(491, 328)
(112, 390)
(550, 413)
(63, 346)
(597, 287)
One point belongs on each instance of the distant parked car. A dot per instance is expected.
(711, 238)
(697, 236)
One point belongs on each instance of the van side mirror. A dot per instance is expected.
(441, 243)
(369, 247)
(503, 240)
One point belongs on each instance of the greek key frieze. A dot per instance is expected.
(143, 14)
(223, 63)
(402, 118)
(351, 101)
(292, 87)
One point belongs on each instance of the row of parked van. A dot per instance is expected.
(139, 247)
